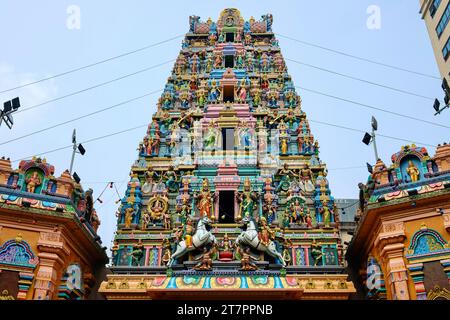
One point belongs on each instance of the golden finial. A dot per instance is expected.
(19, 238)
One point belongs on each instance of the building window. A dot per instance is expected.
(444, 21)
(434, 6)
(446, 49)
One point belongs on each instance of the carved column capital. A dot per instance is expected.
(390, 233)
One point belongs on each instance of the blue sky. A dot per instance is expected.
(36, 43)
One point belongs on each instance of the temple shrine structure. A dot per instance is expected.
(400, 249)
(49, 247)
(228, 197)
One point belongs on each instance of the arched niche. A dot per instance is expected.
(426, 241)
(33, 180)
(405, 162)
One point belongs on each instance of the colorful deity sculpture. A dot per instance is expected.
(214, 92)
(272, 97)
(413, 172)
(306, 179)
(265, 234)
(264, 62)
(33, 182)
(242, 92)
(218, 61)
(205, 200)
(284, 138)
(225, 249)
(270, 199)
(194, 63)
(247, 200)
(129, 215)
(290, 99)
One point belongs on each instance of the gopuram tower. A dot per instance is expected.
(228, 197)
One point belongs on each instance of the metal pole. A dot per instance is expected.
(374, 145)
(74, 141)
(73, 157)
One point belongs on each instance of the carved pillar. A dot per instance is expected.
(390, 246)
(52, 253)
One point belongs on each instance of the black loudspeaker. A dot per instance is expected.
(7, 107)
(76, 177)
(15, 103)
(367, 138)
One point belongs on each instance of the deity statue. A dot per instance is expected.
(129, 215)
(284, 138)
(247, 200)
(33, 181)
(226, 249)
(265, 234)
(214, 92)
(212, 39)
(269, 206)
(205, 260)
(413, 172)
(184, 210)
(272, 98)
(201, 97)
(297, 213)
(188, 232)
(326, 214)
(305, 175)
(194, 63)
(167, 221)
(287, 245)
(218, 61)
(308, 220)
(286, 175)
(264, 62)
(256, 95)
(137, 254)
(246, 260)
(211, 138)
(145, 220)
(172, 179)
(205, 200)
(316, 253)
(95, 221)
(242, 92)
(240, 59)
(157, 206)
(155, 143)
(167, 254)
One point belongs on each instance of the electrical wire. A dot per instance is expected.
(81, 117)
(359, 57)
(374, 108)
(361, 80)
(92, 64)
(92, 87)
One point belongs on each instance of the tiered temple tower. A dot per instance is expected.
(228, 196)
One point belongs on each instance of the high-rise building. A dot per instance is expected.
(436, 14)
(228, 197)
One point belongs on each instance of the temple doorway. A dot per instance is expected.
(226, 206)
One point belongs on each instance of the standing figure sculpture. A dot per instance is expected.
(247, 200)
(205, 200)
(413, 172)
(33, 182)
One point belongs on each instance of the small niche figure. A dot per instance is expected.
(246, 260)
(32, 182)
(206, 260)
